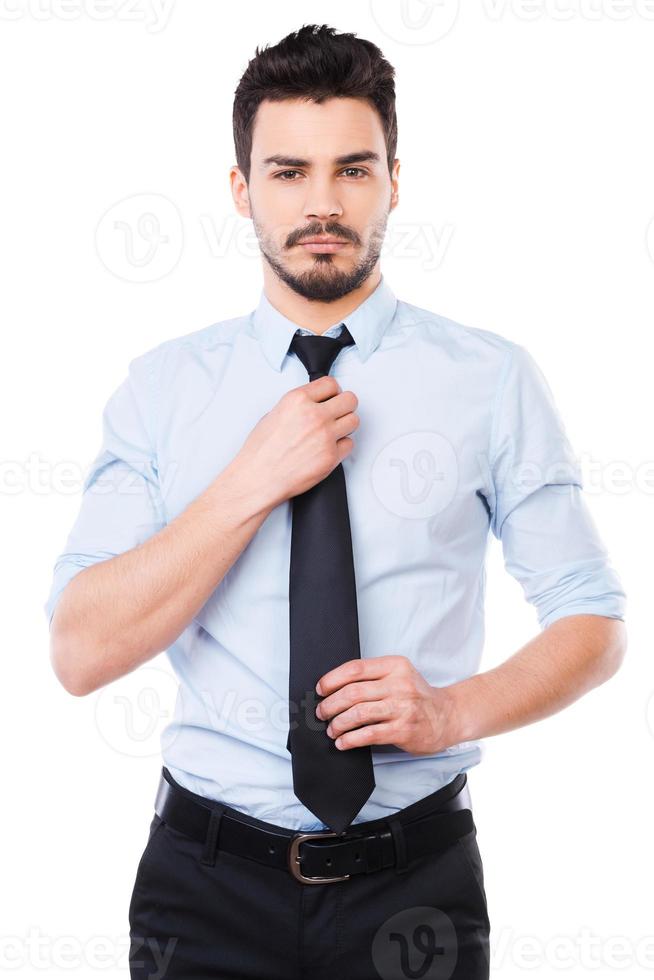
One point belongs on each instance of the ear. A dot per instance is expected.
(240, 192)
(395, 187)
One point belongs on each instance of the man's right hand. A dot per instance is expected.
(117, 614)
(300, 441)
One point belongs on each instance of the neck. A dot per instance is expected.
(313, 314)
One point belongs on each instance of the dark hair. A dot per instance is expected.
(314, 63)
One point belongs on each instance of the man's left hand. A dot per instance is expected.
(385, 700)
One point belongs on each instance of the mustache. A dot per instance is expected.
(338, 231)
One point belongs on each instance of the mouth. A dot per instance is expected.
(324, 244)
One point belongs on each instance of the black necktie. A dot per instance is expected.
(324, 628)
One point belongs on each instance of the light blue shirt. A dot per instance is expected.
(459, 436)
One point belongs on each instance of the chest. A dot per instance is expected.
(420, 456)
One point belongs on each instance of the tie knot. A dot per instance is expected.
(318, 353)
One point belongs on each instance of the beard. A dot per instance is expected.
(323, 281)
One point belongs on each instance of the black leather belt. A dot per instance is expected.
(321, 857)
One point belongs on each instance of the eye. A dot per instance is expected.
(284, 174)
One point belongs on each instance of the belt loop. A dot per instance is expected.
(211, 842)
(399, 842)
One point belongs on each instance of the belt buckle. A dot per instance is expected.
(294, 857)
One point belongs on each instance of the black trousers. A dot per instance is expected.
(243, 920)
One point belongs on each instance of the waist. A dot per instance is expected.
(429, 824)
(400, 781)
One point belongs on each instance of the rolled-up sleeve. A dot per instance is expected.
(121, 502)
(550, 542)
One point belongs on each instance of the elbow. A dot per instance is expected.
(609, 644)
(72, 648)
(66, 663)
(71, 679)
(75, 690)
(616, 646)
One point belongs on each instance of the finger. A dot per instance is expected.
(345, 424)
(323, 388)
(362, 668)
(341, 404)
(381, 734)
(360, 714)
(350, 695)
(344, 447)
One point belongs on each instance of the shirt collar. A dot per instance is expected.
(366, 323)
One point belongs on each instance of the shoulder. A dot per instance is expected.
(174, 350)
(459, 339)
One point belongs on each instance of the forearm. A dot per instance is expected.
(562, 663)
(117, 614)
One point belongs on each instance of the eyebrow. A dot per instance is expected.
(343, 161)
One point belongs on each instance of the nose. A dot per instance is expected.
(321, 202)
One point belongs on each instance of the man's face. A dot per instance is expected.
(314, 173)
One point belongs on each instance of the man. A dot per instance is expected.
(296, 505)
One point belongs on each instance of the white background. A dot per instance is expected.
(526, 208)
